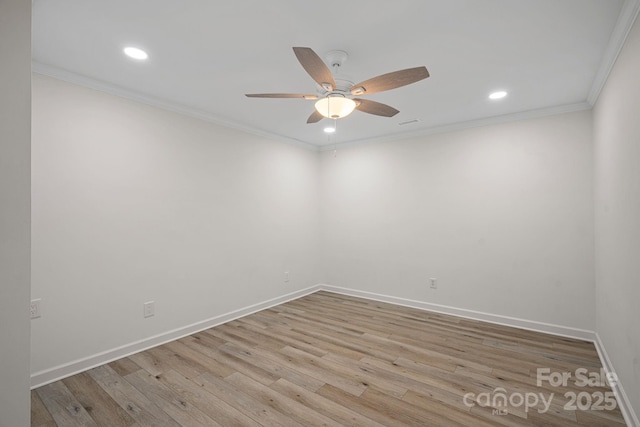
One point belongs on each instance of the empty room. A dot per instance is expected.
(364, 213)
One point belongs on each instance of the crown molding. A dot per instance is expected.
(488, 121)
(626, 19)
(78, 79)
(624, 24)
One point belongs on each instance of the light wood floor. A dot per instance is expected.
(329, 359)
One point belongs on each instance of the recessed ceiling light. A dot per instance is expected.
(135, 53)
(498, 95)
(329, 129)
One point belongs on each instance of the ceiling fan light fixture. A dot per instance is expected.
(335, 106)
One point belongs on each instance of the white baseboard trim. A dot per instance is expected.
(515, 322)
(59, 372)
(624, 403)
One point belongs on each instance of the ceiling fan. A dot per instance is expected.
(335, 99)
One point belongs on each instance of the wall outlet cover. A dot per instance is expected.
(34, 309)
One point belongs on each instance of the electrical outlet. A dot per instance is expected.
(149, 308)
(433, 283)
(286, 276)
(34, 309)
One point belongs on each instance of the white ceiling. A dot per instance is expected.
(550, 55)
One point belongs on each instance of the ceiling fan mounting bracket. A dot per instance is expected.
(336, 58)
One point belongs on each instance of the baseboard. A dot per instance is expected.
(59, 372)
(62, 371)
(515, 322)
(624, 403)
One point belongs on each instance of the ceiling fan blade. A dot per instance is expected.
(315, 67)
(376, 108)
(315, 117)
(281, 95)
(390, 81)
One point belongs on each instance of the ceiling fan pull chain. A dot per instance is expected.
(335, 147)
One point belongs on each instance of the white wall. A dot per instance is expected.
(15, 123)
(617, 196)
(133, 203)
(500, 215)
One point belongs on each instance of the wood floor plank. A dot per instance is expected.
(353, 343)
(137, 405)
(429, 381)
(506, 420)
(124, 366)
(327, 371)
(331, 359)
(190, 351)
(208, 403)
(97, 402)
(326, 321)
(391, 384)
(276, 337)
(516, 387)
(63, 405)
(297, 362)
(427, 355)
(600, 418)
(246, 404)
(176, 406)
(331, 409)
(311, 344)
(40, 416)
(407, 413)
(363, 407)
(231, 363)
(258, 357)
(148, 361)
(459, 417)
(281, 403)
(176, 361)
